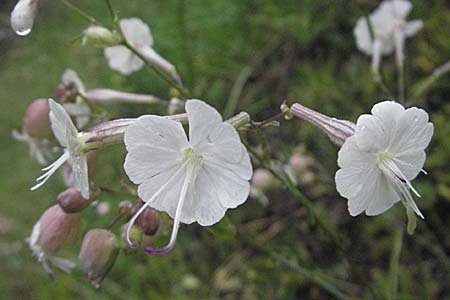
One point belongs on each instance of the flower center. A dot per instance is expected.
(191, 157)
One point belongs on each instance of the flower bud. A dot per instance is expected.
(103, 208)
(135, 236)
(57, 230)
(100, 37)
(263, 180)
(98, 254)
(60, 91)
(22, 16)
(337, 130)
(71, 201)
(36, 120)
(148, 221)
(299, 162)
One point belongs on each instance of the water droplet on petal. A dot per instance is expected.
(416, 118)
(23, 31)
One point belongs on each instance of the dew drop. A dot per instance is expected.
(416, 118)
(23, 31)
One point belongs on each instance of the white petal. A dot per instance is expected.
(358, 170)
(154, 145)
(412, 27)
(80, 172)
(136, 31)
(62, 125)
(168, 199)
(398, 8)
(231, 190)
(369, 134)
(123, 60)
(70, 77)
(202, 203)
(225, 149)
(203, 118)
(413, 131)
(362, 35)
(382, 197)
(410, 163)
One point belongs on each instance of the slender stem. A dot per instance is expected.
(114, 16)
(300, 197)
(131, 47)
(394, 264)
(186, 42)
(79, 11)
(160, 73)
(401, 82)
(429, 81)
(309, 274)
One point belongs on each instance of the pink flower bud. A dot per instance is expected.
(299, 162)
(98, 254)
(337, 130)
(71, 201)
(60, 91)
(148, 221)
(263, 180)
(36, 121)
(57, 229)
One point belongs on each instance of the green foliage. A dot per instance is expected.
(259, 53)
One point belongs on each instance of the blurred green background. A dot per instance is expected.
(236, 55)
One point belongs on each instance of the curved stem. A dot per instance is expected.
(79, 11)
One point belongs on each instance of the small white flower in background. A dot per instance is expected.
(193, 180)
(77, 108)
(390, 29)
(379, 161)
(74, 152)
(22, 16)
(119, 57)
(137, 33)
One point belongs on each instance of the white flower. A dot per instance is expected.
(40, 149)
(77, 108)
(138, 34)
(379, 161)
(390, 29)
(193, 180)
(22, 16)
(119, 57)
(74, 149)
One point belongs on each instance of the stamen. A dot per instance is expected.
(403, 185)
(54, 166)
(402, 188)
(147, 203)
(397, 172)
(176, 221)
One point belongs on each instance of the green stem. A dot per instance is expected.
(394, 264)
(300, 197)
(401, 82)
(80, 12)
(309, 274)
(130, 47)
(428, 82)
(160, 73)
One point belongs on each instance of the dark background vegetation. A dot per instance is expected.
(237, 55)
